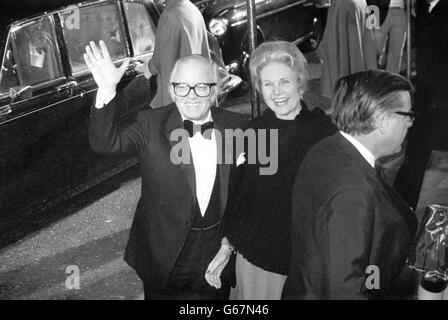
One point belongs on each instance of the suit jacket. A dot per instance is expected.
(344, 219)
(168, 202)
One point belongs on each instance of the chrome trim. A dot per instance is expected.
(301, 39)
(267, 14)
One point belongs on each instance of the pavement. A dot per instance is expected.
(75, 250)
(89, 241)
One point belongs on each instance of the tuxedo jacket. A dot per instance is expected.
(167, 204)
(344, 219)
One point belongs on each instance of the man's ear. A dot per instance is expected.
(382, 123)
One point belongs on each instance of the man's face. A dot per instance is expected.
(192, 73)
(398, 124)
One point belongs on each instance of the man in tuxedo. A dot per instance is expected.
(177, 223)
(351, 232)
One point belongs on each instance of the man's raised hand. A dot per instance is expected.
(106, 75)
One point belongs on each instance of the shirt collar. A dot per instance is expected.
(370, 158)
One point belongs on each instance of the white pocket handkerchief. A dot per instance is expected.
(241, 159)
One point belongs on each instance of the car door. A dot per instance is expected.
(33, 93)
(44, 133)
(128, 32)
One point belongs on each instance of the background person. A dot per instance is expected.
(430, 131)
(259, 208)
(345, 217)
(391, 35)
(177, 223)
(347, 46)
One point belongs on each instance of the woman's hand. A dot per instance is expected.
(106, 75)
(215, 268)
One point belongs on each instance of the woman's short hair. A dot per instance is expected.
(360, 96)
(278, 52)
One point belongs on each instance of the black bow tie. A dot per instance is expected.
(203, 129)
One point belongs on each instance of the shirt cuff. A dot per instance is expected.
(103, 97)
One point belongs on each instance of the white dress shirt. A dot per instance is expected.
(361, 148)
(205, 155)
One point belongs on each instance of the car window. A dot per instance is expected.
(31, 57)
(96, 23)
(8, 75)
(141, 28)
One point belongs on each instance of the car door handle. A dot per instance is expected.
(134, 66)
(70, 85)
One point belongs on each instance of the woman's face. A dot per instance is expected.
(280, 90)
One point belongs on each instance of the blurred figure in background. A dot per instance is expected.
(348, 46)
(391, 35)
(430, 131)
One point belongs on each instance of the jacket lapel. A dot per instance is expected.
(225, 150)
(174, 121)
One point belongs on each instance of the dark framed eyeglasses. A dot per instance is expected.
(202, 89)
(412, 115)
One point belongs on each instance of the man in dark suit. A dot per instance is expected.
(176, 228)
(351, 232)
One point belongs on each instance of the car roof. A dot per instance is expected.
(16, 10)
(12, 10)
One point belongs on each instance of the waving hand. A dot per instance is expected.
(106, 75)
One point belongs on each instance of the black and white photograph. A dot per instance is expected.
(233, 156)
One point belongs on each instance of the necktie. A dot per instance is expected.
(203, 129)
